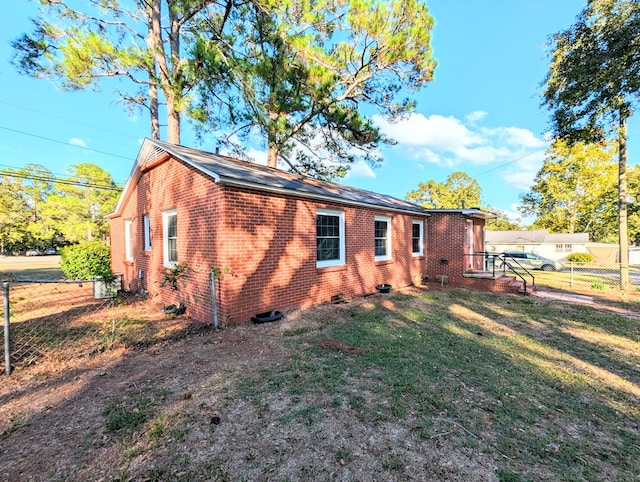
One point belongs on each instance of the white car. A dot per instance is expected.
(519, 259)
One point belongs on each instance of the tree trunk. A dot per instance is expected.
(173, 120)
(164, 69)
(174, 98)
(153, 109)
(153, 78)
(272, 155)
(623, 238)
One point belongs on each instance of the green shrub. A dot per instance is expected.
(86, 261)
(580, 257)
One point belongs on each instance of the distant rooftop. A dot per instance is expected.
(535, 237)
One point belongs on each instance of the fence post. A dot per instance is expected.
(7, 331)
(214, 302)
(571, 277)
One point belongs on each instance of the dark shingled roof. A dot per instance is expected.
(233, 172)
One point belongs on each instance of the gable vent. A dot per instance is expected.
(153, 153)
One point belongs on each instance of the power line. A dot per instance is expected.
(67, 119)
(60, 181)
(510, 162)
(57, 174)
(64, 143)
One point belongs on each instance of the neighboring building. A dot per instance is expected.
(555, 246)
(285, 241)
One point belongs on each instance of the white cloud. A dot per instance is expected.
(475, 116)
(435, 131)
(522, 174)
(431, 157)
(448, 142)
(360, 169)
(522, 138)
(76, 141)
(512, 213)
(258, 156)
(481, 155)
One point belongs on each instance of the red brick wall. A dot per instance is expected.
(446, 236)
(171, 185)
(267, 242)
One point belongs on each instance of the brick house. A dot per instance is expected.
(281, 240)
(456, 248)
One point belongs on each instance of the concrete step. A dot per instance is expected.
(511, 284)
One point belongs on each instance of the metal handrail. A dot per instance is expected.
(505, 264)
(493, 260)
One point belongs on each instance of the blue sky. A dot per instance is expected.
(481, 115)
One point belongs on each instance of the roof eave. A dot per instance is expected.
(319, 197)
(150, 148)
(144, 157)
(472, 212)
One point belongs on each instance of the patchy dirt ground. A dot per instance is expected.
(53, 423)
(202, 424)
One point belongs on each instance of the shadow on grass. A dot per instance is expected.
(547, 403)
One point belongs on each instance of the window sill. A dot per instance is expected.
(382, 262)
(128, 262)
(330, 269)
(419, 256)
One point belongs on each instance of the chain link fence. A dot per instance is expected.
(56, 321)
(587, 278)
(601, 277)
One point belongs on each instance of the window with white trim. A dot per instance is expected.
(417, 238)
(382, 238)
(146, 233)
(329, 238)
(128, 240)
(170, 237)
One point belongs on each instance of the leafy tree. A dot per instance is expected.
(36, 210)
(502, 222)
(571, 191)
(14, 216)
(300, 73)
(459, 190)
(633, 218)
(305, 74)
(593, 84)
(79, 211)
(36, 184)
(142, 41)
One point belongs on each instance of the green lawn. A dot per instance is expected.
(549, 391)
(447, 385)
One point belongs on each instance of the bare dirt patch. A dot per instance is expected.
(340, 346)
